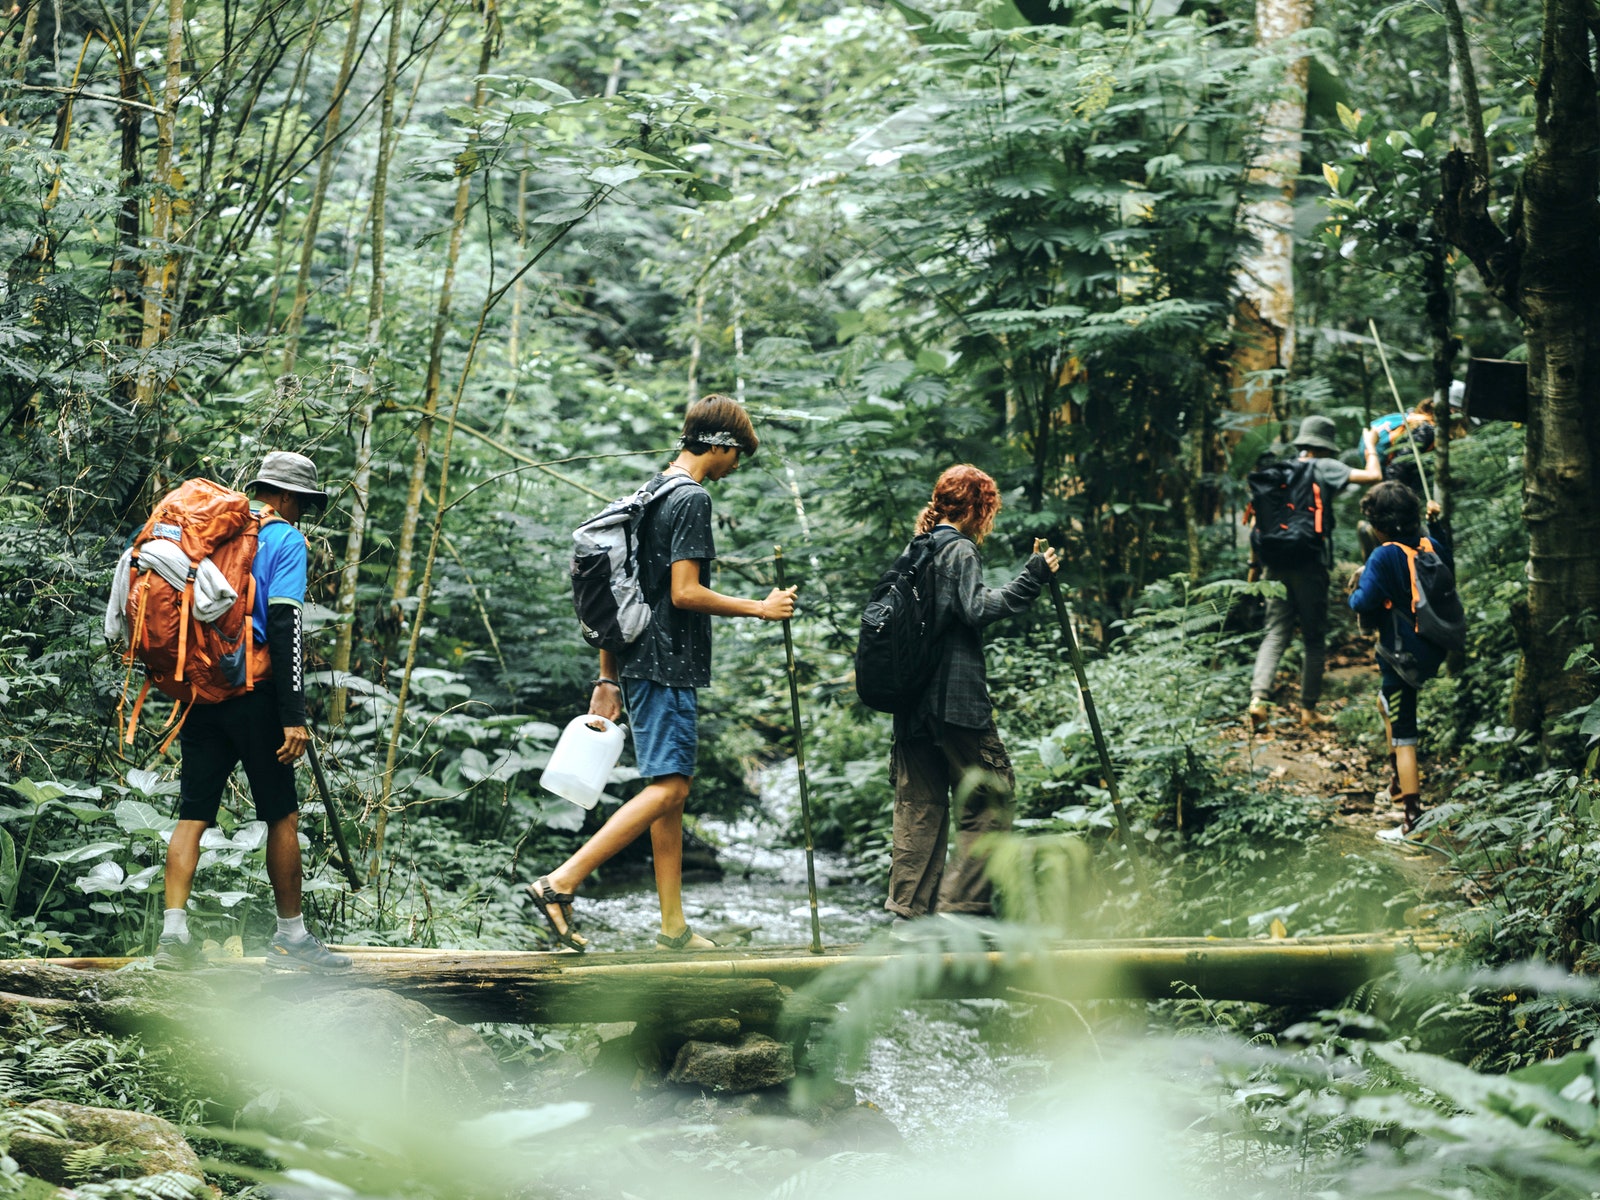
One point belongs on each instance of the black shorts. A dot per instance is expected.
(218, 737)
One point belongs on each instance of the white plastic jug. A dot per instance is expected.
(582, 760)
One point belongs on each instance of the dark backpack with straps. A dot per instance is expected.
(607, 592)
(898, 649)
(1291, 523)
(1437, 615)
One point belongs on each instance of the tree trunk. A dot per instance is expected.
(514, 339)
(1560, 290)
(319, 194)
(1437, 295)
(1549, 275)
(1264, 316)
(406, 550)
(1467, 75)
(158, 276)
(361, 482)
(543, 987)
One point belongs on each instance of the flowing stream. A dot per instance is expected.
(932, 1070)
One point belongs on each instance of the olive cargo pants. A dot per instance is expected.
(973, 765)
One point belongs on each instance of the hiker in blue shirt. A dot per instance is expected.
(1406, 659)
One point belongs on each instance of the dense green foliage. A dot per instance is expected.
(903, 239)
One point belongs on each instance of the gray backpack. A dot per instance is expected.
(606, 590)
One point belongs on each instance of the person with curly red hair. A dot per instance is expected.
(949, 743)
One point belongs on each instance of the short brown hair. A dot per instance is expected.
(715, 414)
(962, 495)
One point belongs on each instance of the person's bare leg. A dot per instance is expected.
(1405, 761)
(283, 864)
(666, 852)
(183, 858)
(620, 831)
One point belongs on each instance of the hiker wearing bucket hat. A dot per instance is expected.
(264, 729)
(1305, 599)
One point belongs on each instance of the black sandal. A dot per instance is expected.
(680, 944)
(546, 899)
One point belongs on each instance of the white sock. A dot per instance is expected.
(293, 929)
(175, 923)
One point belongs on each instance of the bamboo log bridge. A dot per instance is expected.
(751, 984)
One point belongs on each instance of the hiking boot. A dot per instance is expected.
(304, 954)
(173, 953)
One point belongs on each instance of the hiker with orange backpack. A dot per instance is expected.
(236, 677)
(1407, 591)
(1292, 509)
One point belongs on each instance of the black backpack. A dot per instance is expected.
(606, 591)
(898, 650)
(1292, 525)
(1437, 614)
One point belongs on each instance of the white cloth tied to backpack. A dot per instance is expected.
(213, 594)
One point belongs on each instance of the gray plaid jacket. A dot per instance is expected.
(962, 606)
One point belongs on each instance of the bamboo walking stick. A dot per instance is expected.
(800, 764)
(1422, 474)
(346, 863)
(1073, 652)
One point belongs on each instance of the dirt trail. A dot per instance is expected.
(1336, 767)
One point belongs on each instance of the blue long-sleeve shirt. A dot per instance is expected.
(1386, 585)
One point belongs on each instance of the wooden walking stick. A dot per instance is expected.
(1422, 474)
(346, 863)
(1073, 652)
(800, 764)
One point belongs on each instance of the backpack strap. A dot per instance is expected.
(669, 483)
(1411, 563)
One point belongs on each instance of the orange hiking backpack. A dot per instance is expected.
(193, 661)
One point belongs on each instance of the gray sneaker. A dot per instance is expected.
(305, 954)
(175, 954)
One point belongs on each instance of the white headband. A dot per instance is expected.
(719, 438)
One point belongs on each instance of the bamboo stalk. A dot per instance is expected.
(319, 194)
(800, 762)
(1070, 638)
(547, 986)
(405, 551)
(1383, 357)
(159, 275)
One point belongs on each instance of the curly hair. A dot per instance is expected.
(1393, 509)
(963, 495)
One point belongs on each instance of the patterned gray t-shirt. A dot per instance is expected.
(676, 648)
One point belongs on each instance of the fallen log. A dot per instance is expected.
(751, 985)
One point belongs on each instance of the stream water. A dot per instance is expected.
(932, 1069)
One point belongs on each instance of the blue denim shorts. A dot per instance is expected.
(666, 727)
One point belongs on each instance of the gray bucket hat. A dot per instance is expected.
(1317, 432)
(292, 473)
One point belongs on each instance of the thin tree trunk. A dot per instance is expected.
(391, 758)
(441, 323)
(130, 175)
(30, 24)
(158, 277)
(514, 340)
(301, 74)
(361, 483)
(1437, 305)
(1472, 107)
(1264, 317)
(319, 194)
